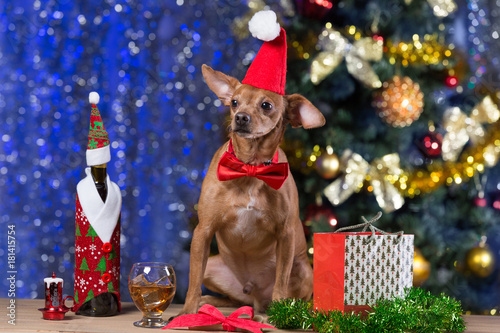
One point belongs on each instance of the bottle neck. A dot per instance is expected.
(98, 173)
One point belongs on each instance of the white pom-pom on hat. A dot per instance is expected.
(93, 98)
(264, 25)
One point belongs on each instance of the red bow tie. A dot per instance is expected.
(230, 167)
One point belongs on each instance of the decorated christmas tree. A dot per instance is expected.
(412, 130)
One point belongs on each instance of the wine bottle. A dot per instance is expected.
(104, 304)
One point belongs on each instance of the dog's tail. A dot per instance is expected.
(247, 289)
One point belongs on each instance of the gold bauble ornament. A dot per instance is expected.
(480, 261)
(399, 102)
(328, 165)
(421, 268)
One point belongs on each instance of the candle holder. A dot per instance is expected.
(55, 305)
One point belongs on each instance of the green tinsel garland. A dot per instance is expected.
(417, 311)
(291, 313)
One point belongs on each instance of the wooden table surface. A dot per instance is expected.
(29, 319)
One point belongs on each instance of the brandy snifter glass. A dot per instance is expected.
(152, 288)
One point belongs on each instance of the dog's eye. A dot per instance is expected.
(267, 106)
(234, 103)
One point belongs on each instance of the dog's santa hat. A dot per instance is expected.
(98, 151)
(268, 69)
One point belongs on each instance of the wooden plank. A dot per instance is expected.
(29, 320)
(482, 324)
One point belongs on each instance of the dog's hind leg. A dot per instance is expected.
(220, 279)
(301, 280)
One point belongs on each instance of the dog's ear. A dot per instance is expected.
(221, 84)
(301, 112)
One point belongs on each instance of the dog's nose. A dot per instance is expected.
(242, 118)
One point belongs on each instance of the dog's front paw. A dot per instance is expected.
(187, 309)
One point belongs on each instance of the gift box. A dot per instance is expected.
(353, 270)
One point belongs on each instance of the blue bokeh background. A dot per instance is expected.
(144, 59)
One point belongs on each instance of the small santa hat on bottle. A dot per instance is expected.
(98, 151)
(268, 69)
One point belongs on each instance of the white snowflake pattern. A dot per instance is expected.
(92, 247)
(78, 248)
(101, 282)
(82, 281)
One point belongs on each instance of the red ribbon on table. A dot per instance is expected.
(210, 315)
(230, 167)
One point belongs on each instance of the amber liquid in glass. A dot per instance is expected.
(105, 304)
(152, 299)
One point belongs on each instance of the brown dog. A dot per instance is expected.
(262, 247)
